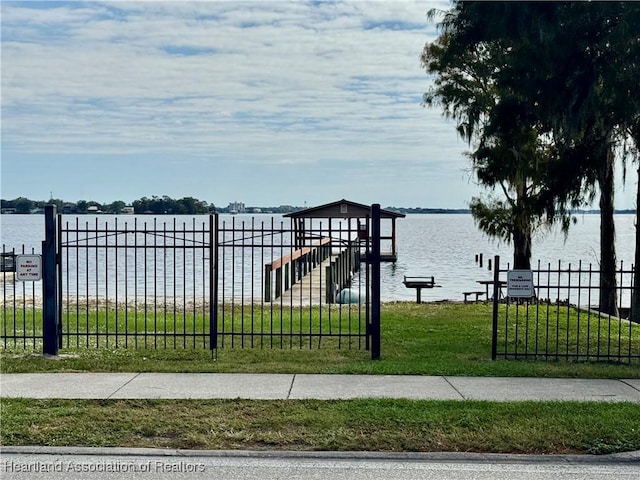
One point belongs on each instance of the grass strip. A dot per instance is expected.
(424, 339)
(364, 425)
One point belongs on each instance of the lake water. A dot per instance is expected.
(440, 245)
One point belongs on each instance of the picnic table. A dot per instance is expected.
(486, 283)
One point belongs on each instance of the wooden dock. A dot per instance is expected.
(310, 276)
(311, 289)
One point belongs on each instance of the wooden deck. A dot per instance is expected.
(312, 289)
(318, 283)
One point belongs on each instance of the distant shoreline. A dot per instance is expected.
(409, 211)
(192, 206)
(406, 211)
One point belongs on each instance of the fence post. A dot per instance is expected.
(213, 282)
(49, 284)
(496, 298)
(375, 281)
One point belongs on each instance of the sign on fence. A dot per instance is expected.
(520, 283)
(28, 268)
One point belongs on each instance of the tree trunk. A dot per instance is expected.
(635, 295)
(522, 228)
(522, 246)
(608, 284)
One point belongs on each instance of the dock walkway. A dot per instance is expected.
(311, 289)
(312, 279)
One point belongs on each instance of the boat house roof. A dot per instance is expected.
(342, 209)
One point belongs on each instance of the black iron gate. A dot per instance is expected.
(277, 290)
(209, 282)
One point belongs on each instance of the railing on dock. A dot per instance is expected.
(340, 270)
(292, 267)
(308, 266)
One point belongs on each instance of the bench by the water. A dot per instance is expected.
(486, 283)
(477, 293)
(485, 292)
(419, 283)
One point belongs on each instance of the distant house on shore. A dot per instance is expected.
(68, 208)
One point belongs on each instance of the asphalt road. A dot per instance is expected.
(112, 464)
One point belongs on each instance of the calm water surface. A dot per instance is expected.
(442, 245)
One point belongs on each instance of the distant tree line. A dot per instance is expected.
(153, 205)
(161, 205)
(187, 206)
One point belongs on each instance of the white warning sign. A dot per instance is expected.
(28, 268)
(520, 283)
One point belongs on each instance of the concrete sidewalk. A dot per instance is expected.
(304, 386)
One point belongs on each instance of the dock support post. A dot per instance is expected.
(267, 283)
(278, 282)
(329, 285)
(287, 285)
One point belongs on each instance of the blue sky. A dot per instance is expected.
(266, 102)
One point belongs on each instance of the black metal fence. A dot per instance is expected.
(562, 319)
(276, 290)
(145, 284)
(21, 304)
(191, 283)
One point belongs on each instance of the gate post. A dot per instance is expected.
(496, 297)
(49, 284)
(213, 282)
(375, 281)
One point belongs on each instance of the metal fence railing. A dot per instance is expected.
(139, 283)
(562, 320)
(188, 283)
(276, 291)
(21, 304)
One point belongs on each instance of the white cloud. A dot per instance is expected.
(78, 75)
(242, 89)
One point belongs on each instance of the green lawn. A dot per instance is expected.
(425, 339)
(366, 425)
